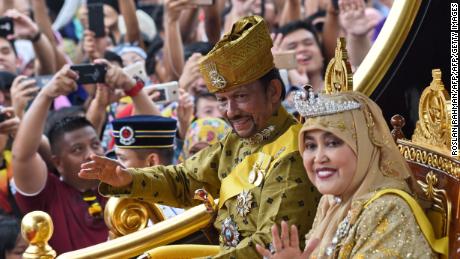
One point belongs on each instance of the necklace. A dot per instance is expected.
(260, 136)
(341, 232)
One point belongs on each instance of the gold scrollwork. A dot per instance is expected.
(429, 158)
(440, 201)
(127, 215)
(433, 127)
(428, 188)
(339, 77)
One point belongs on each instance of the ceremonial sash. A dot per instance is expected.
(237, 180)
(440, 246)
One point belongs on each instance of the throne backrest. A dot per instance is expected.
(436, 173)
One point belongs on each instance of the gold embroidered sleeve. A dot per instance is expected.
(288, 195)
(387, 228)
(173, 185)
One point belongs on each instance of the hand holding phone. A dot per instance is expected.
(202, 2)
(90, 74)
(3, 115)
(137, 70)
(23, 91)
(42, 81)
(168, 92)
(285, 59)
(6, 26)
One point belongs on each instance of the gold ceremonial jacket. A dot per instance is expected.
(286, 193)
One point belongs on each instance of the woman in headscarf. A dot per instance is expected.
(350, 156)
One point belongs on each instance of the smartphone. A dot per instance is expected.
(3, 116)
(42, 81)
(6, 26)
(202, 2)
(169, 92)
(285, 60)
(96, 19)
(137, 70)
(90, 74)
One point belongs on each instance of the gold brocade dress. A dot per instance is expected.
(386, 228)
(285, 194)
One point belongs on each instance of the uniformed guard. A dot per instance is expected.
(144, 141)
(256, 170)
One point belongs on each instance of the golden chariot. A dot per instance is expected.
(428, 153)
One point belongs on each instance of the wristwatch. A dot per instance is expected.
(136, 88)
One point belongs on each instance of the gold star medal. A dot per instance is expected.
(229, 235)
(244, 203)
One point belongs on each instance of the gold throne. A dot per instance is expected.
(436, 173)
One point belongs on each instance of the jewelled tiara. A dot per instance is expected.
(318, 104)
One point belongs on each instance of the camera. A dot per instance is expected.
(6, 26)
(90, 74)
(137, 70)
(169, 92)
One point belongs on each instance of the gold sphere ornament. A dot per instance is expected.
(37, 228)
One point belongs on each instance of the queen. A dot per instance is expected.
(365, 210)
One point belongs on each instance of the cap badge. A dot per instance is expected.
(217, 80)
(127, 136)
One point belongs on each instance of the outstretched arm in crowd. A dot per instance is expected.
(116, 78)
(331, 31)
(117, 83)
(188, 22)
(291, 12)
(25, 28)
(96, 113)
(212, 22)
(184, 112)
(128, 12)
(173, 47)
(356, 26)
(6, 5)
(43, 21)
(30, 171)
(240, 8)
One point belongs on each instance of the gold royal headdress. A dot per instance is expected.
(242, 56)
(339, 78)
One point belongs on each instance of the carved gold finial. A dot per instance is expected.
(339, 77)
(207, 199)
(433, 126)
(37, 228)
(127, 215)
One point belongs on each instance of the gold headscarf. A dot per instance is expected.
(242, 56)
(379, 165)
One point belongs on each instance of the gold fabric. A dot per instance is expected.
(242, 56)
(286, 193)
(386, 229)
(379, 166)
